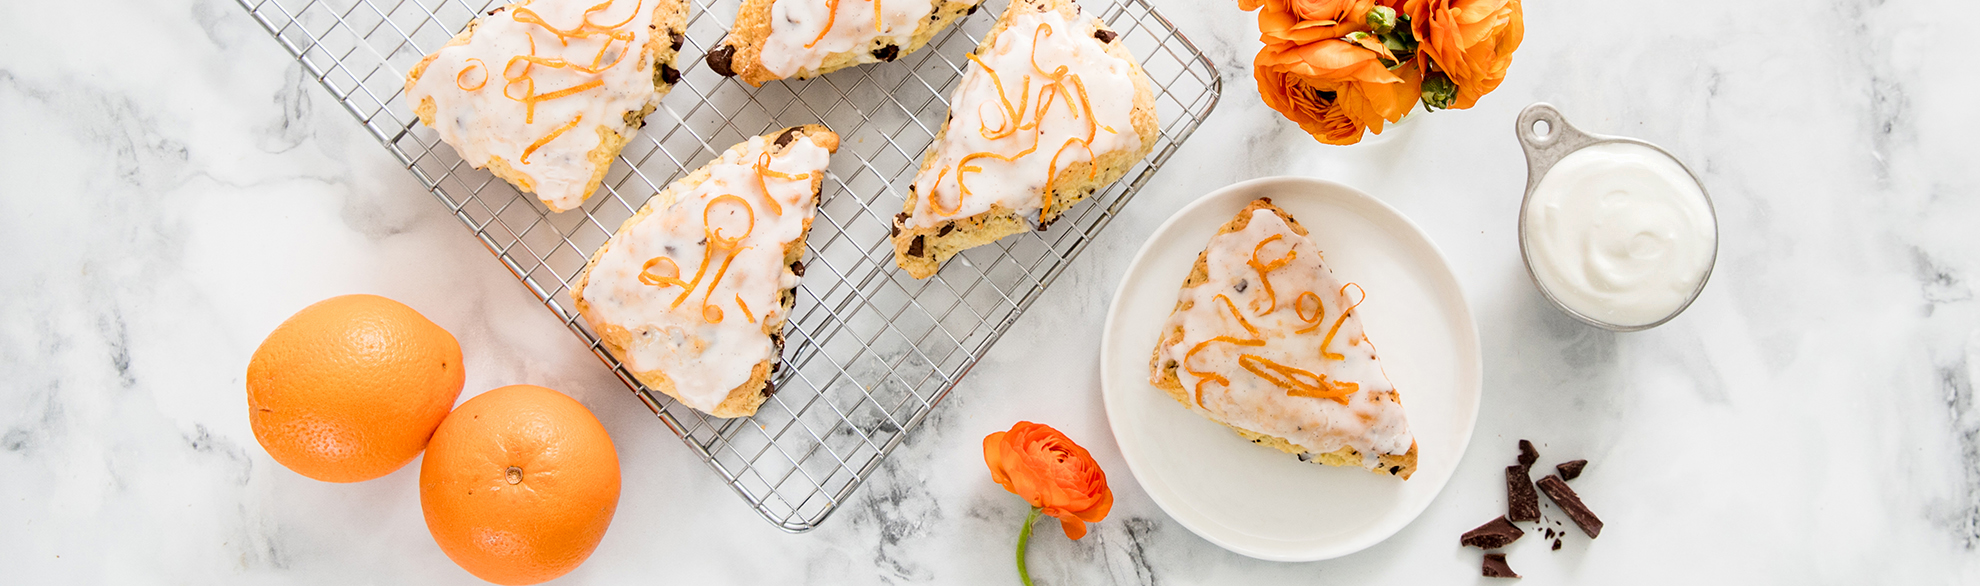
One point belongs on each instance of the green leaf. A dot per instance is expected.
(1438, 91)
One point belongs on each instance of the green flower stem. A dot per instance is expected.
(1024, 538)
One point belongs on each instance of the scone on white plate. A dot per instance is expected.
(692, 292)
(1264, 339)
(799, 39)
(545, 93)
(1051, 108)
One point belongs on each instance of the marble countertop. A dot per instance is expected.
(179, 187)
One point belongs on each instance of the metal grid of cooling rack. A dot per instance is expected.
(871, 350)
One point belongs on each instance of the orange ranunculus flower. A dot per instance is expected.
(1335, 89)
(1051, 472)
(1472, 41)
(1305, 21)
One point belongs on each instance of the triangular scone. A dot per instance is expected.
(692, 292)
(800, 39)
(1264, 340)
(1051, 108)
(544, 93)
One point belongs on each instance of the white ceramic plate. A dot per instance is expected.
(1262, 502)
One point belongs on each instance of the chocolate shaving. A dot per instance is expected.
(915, 248)
(1495, 566)
(1522, 504)
(946, 229)
(1493, 534)
(899, 219)
(669, 74)
(789, 135)
(887, 53)
(718, 60)
(1105, 36)
(1571, 469)
(1557, 544)
(1527, 455)
(1242, 285)
(1569, 503)
(972, 9)
(679, 39)
(797, 268)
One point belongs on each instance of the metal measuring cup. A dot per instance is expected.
(1547, 138)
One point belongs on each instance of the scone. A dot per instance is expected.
(544, 93)
(1264, 340)
(1051, 108)
(692, 291)
(799, 39)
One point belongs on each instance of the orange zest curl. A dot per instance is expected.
(1264, 268)
(479, 64)
(715, 238)
(747, 314)
(935, 196)
(763, 170)
(711, 313)
(1240, 317)
(1341, 318)
(1085, 104)
(1319, 311)
(648, 277)
(550, 137)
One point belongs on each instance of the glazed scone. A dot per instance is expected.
(1051, 108)
(692, 291)
(1264, 340)
(544, 93)
(799, 39)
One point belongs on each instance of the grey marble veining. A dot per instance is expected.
(176, 186)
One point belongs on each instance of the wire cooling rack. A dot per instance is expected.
(870, 349)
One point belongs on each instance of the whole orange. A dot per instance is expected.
(519, 484)
(350, 388)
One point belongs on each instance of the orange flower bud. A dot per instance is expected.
(1472, 41)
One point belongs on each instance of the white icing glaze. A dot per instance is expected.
(1370, 421)
(483, 123)
(977, 107)
(706, 360)
(797, 23)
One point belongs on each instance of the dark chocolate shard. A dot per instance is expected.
(916, 247)
(947, 227)
(1493, 534)
(678, 39)
(1570, 503)
(1105, 36)
(1527, 455)
(789, 135)
(1557, 544)
(669, 74)
(1242, 285)
(797, 268)
(899, 220)
(972, 9)
(887, 53)
(1522, 504)
(718, 60)
(1571, 469)
(1495, 566)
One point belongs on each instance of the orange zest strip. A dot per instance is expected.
(877, 26)
(1297, 382)
(935, 196)
(482, 65)
(550, 137)
(747, 314)
(1265, 279)
(568, 91)
(648, 277)
(1240, 317)
(831, 16)
(763, 170)
(719, 273)
(1052, 175)
(1010, 123)
(696, 283)
(963, 166)
(1085, 104)
(1212, 376)
(1319, 311)
(1341, 318)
